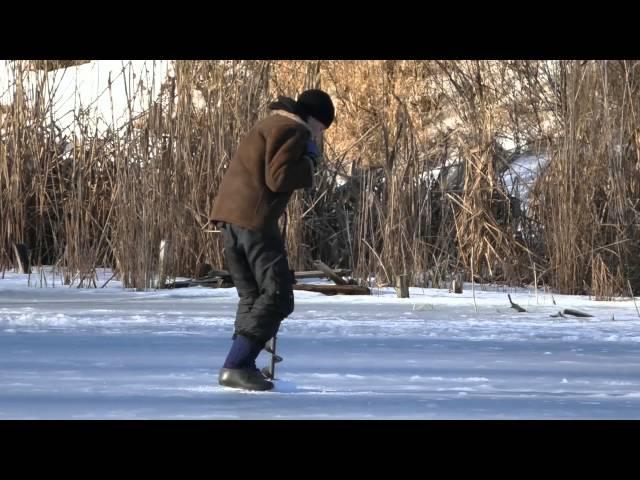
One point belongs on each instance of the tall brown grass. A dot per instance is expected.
(379, 207)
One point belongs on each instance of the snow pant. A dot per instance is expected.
(258, 265)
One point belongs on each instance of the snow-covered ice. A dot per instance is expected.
(111, 353)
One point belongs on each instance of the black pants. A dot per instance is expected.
(259, 268)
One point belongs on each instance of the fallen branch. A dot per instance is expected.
(569, 311)
(575, 313)
(110, 278)
(515, 306)
(329, 273)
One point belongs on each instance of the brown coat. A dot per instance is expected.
(268, 166)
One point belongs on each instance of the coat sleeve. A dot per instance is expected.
(286, 168)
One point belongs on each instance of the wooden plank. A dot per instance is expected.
(222, 278)
(334, 289)
(324, 289)
(208, 282)
(301, 274)
(320, 274)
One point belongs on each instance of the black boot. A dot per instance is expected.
(245, 378)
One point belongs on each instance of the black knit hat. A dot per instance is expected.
(317, 104)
